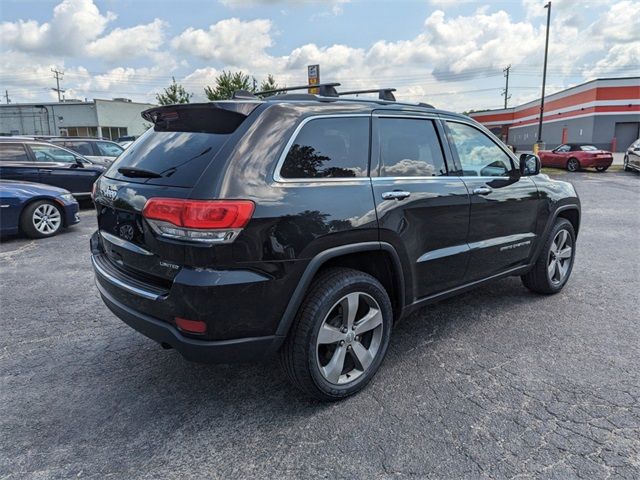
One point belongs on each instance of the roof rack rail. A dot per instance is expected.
(383, 93)
(325, 89)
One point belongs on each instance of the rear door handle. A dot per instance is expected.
(396, 195)
(482, 191)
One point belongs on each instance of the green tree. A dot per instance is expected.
(227, 83)
(268, 83)
(175, 93)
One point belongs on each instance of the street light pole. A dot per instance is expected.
(544, 73)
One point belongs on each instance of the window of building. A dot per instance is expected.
(329, 148)
(13, 152)
(79, 132)
(410, 148)
(478, 154)
(113, 133)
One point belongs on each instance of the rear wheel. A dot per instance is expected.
(41, 219)
(553, 267)
(601, 169)
(573, 165)
(340, 335)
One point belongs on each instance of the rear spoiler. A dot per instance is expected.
(214, 117)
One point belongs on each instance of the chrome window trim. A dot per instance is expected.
(279, 179)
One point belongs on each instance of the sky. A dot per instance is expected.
(445, 52)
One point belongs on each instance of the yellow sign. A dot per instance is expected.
(313, 74)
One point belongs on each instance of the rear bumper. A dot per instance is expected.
(204, 351)
(597, 162)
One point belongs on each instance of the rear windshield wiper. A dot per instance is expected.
(138, 173)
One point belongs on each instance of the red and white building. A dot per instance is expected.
(604, 112)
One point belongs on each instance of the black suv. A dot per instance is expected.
(308, 225)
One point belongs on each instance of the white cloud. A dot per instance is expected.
(134, 42)
(231, 41)
(73, 25)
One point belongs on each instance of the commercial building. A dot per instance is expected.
(98, 118)
(604, 112)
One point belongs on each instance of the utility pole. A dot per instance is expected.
(6, 96)
(505, 92)
(58, 76)
(544, 77)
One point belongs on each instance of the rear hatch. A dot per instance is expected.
(167, 161)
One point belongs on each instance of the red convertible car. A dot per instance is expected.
(574, 156)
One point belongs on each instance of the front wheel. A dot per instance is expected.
(41, 219)
(601, 169)
(553, 267)
(626, 164)
(340, 335)
(573, 165)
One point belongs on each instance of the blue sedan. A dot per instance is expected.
(35, 209)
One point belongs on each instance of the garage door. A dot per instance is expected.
(626, 133)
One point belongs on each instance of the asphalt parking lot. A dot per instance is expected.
(497, 383)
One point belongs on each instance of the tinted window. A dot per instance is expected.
(410, 148)
(478, 154)
(83, 148)
(179, 157)
(51, 153)
(13, 152)
(329, 148)
(563, 148)
(109, 149)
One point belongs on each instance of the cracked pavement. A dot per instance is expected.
(496, 383)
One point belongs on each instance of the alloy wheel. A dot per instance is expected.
(573, 165)
(47, 219)
(349, 338)
(560, 257)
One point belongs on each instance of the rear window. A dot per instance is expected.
(13, 152)
(178, 157)
(83, 148)
(329, 148)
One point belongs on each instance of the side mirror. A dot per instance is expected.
(529, 164)
(79, 162)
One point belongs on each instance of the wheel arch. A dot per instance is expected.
(570, 212)
(32, 200)
(386, 268)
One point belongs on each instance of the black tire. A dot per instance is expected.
(601, 169)
(300, 354)
(573, 165)
(626, 164)
(28, 222)
(538, 278)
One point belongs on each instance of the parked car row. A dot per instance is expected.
(41, 179)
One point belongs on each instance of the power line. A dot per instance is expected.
(505, 91)
(58, 76)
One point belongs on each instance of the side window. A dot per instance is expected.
(13, 152)
(109, 149)
(329, 148)
(51, 153)
(563, 148)
(410, 148)
(83, 148)
(478, 154)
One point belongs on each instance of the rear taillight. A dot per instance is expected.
(212, 221)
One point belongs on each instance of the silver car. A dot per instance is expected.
(632, 157)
